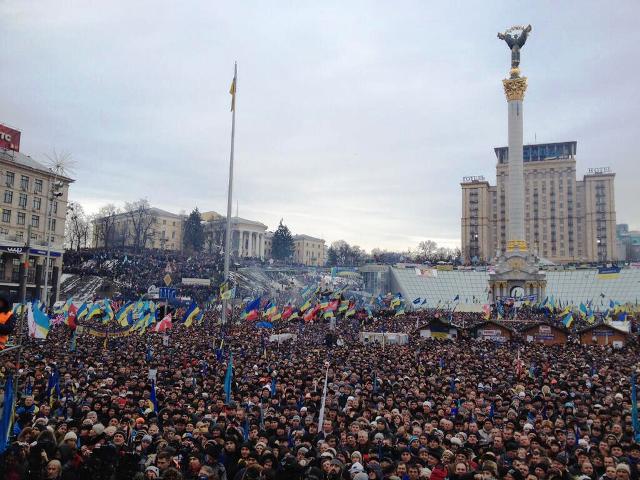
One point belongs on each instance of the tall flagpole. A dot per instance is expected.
(227, 239)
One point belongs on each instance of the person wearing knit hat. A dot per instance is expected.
(152, 472)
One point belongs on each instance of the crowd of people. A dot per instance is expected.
(164, 406)
(132, 273)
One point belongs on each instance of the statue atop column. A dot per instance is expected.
(515, 38)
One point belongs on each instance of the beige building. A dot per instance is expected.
(566, 220)
(247, 236)
(155, 229)
(30, 193)
(309, 250)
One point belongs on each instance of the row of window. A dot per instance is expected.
(10, 179)
(23, 200)
(22, 217)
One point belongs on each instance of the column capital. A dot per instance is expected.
(514, 88)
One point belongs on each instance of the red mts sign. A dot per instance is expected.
(9, 138)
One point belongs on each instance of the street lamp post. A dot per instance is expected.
(53, 194)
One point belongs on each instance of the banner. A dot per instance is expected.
(426, 272)
(205, 282)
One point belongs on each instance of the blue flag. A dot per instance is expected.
(7, 414)
(245, 427)
(253, 305)
(634, 409)
(227, 380)
(152, 397)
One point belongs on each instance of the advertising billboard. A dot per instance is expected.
(9, 138)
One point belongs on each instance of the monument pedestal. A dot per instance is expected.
(517, 275)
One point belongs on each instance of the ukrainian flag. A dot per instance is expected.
(190, 315)
(108, 311)
(94, 310)
(82, 311)
(122, 314)
(568, 320)
(306, 306)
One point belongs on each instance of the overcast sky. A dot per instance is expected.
(355, 120)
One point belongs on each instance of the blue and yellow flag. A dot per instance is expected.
(190, 315)
(123, 314)
(568, 320)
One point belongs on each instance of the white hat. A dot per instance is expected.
(528, 426)
(356, 468)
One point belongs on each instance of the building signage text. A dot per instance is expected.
(475, 178)
(598, 170)
(9, 138)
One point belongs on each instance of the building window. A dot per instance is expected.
(55, 208)
(35, 221)
(36, 203)
(37, 188)
(24, 182)
(164, 222)
(173, 234)
(19, 236)
(21, 218)
(8, 196)
(6, 215)
(10, 177)
(22, 200)
(52, 226)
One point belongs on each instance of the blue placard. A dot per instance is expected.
(166, 292)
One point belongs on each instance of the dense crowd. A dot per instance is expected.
(133, 273)
(430, 409)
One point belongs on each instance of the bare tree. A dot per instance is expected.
(105, 225)
(142, 220)
(77, 226)
(427, 248)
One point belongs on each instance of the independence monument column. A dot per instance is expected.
(516, 277)
(514, 89)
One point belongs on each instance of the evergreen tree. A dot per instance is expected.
(282, 244)
(193, 238)
(332, 257)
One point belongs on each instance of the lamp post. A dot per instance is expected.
(54, 192)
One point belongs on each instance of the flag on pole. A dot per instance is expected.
(568, 320)
(39, 323)
(232, 91)
(153, 401)
(324, 400)
(227, 380)
(53, 387)
(163, 325)
(7, 414)
(634, 409)
(190, 315)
